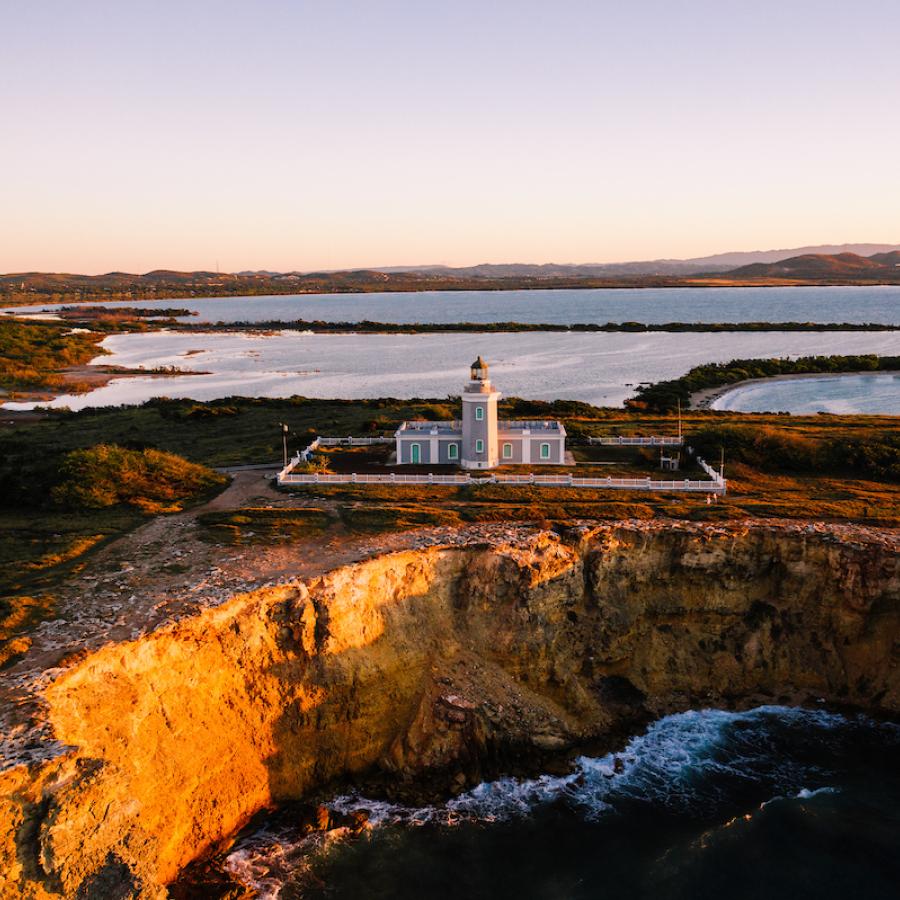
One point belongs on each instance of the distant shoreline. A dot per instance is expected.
(703, 399)
(117, 317)
(365, 327)
(70, 295)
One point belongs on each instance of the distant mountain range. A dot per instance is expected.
(719, 262)
(845, 264)
(826, 265)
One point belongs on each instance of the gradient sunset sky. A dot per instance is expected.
(307, 135)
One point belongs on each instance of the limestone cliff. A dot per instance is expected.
(448, 661)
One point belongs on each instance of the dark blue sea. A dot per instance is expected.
(770, 804)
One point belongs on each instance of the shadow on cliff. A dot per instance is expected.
(393, 669)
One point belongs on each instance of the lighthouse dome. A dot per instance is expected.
(479, 370)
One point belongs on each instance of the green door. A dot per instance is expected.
(415, 454)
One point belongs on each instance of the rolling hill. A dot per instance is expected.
(845, 267)
(824, 266)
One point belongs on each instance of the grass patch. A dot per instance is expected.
(252, 524)
(94, 494)
(368, 518)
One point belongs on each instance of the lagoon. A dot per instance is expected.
(876, 393)
(603, 369)
(858, 305)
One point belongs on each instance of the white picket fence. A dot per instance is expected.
(351, 441)
(715, 485)
(650, 441)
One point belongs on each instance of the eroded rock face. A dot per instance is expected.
(444, 662)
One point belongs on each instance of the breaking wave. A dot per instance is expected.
(696, 764)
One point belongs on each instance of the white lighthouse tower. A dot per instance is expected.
(480, 446)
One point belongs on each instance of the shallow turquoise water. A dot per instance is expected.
(838, 394)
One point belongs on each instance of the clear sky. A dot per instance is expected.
(302, 135)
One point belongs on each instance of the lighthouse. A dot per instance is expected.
(480, 445)
(479, 440)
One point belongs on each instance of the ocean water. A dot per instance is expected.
(650, 305)
(771, 803)
(603, 368)
(838, 394)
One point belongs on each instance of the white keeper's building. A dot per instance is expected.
(480, 440)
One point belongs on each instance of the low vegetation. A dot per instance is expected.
(874, 456)
(252, 524)
(79, 500)
(368, 327)
(33, 353)
(149, 480)
(83, 312)
(70, 481)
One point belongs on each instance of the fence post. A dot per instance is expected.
(393, 476)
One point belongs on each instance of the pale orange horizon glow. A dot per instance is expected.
(307, 136)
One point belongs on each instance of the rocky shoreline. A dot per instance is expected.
(435, 660)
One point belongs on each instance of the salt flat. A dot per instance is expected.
(603, 368)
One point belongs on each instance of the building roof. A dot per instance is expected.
(547, 427)
(509, 427)
(420, 426)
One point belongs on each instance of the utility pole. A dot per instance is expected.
(284, 437)
(722, 461)
(679, 420)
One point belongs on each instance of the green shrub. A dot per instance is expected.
(108, 475)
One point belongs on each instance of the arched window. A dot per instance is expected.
(479, 445)
(479, 413)
(545, 451)
(507, 451)
(453, 451)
